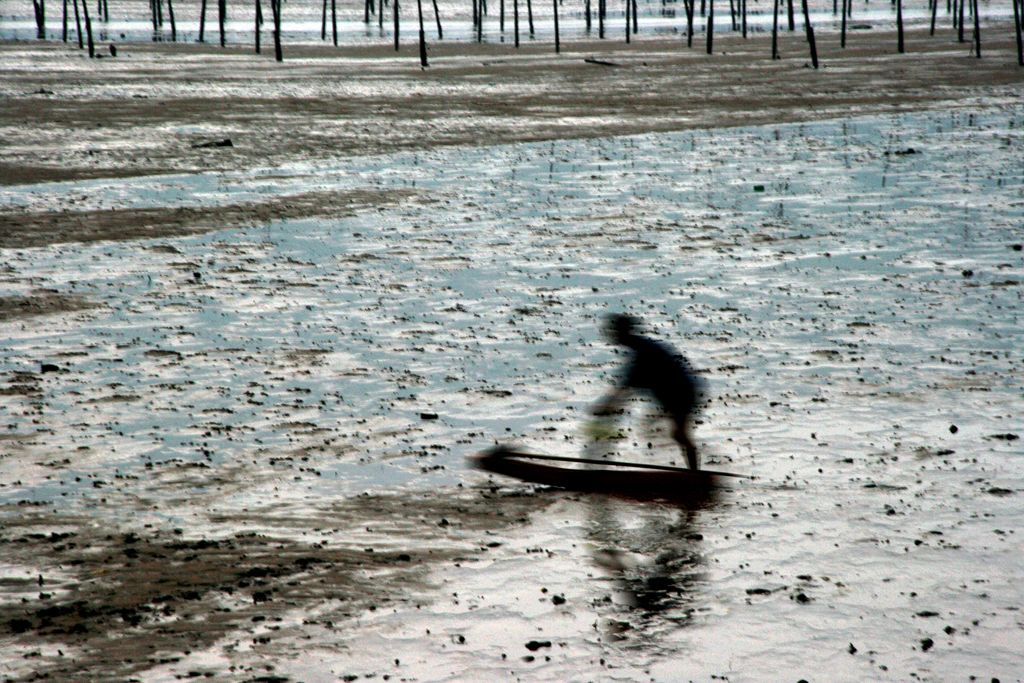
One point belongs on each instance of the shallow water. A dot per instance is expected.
(851, 290)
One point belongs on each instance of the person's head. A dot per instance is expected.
(620, 327)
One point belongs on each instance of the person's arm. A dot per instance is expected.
(612, 401)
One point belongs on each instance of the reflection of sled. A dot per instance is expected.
(635, 480)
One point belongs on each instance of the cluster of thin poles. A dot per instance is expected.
(959, 10)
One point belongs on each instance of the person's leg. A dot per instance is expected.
(685, 441)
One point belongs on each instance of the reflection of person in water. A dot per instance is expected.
(652, 553)
(659, 369)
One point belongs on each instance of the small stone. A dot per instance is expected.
(926, 644)
(851, 649)
(535, 645)
(953, 429)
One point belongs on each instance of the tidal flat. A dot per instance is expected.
(238, 387)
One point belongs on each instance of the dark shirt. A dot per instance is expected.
(664, 372)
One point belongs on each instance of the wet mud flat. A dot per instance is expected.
(132, 604)
(233, 442)
(159, 108)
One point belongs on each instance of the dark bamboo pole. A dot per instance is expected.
(437, 18)
(1020, 39)
(106, 11)
(152, 12)
(810, 35)
(711, 25)
(586, 8)
(380, 15)
(775, 30)
(222, 10)
(174, 26)
(900, 46)
(258, 23)
(88, 28)
(202, 20)
(275, 10)
(334, 20)
(732, 14)
(480, 22)
(789, 9)
(501, 17)
(64, 20)
(529, 16)
(515, 20)
(397, 26)
(842, 31)
(78, 26)
(960, 28)
(601, 6)
(743, 15)
(323, 21)
(935, 10)
(423, 35)
(689, 22)
(366, 11)
(977, 29)
(39, 10)
(636, 26)
(554, 7)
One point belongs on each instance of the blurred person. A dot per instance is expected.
(656, 367)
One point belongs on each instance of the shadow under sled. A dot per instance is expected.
(652, 482)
